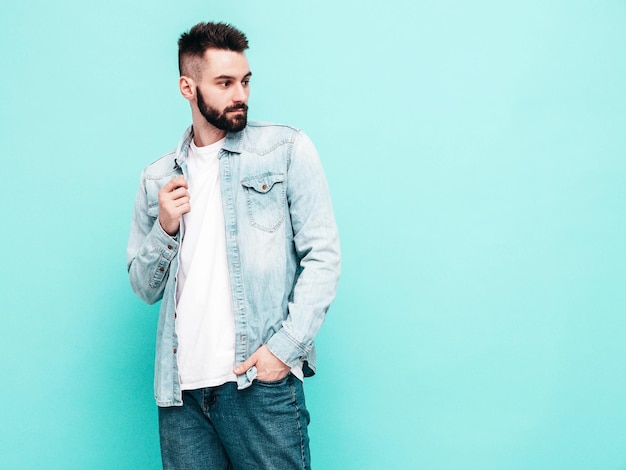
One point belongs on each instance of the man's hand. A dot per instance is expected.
(173, 203)
(269, 368)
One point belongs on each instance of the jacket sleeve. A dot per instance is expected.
(150, 250)
(316, 242)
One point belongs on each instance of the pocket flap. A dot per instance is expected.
(264, 182)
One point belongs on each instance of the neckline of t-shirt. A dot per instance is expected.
(207, 149)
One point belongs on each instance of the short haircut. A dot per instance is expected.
(194, 43)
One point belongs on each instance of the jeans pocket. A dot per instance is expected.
(273, 383)
(265, 197)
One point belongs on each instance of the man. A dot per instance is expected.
(234, 232)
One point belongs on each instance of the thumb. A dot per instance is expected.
(245, 365)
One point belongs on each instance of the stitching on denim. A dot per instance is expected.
(266, 150)
(299, 423)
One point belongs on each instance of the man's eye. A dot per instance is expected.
(224, 84)
(246, 83)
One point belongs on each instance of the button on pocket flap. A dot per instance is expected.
(263, 183)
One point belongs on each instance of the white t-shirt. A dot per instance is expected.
(205, 323)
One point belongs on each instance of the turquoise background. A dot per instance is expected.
(475, 152)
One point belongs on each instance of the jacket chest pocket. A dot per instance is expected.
(265, 197)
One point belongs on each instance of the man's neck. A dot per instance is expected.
(205, 134)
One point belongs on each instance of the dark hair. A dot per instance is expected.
(203, 36)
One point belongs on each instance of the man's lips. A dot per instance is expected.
(242, 109)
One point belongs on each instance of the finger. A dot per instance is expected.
(174, 183)
(183, 208)
(181, 181)
(245, 365)
(178, 193)
(182, 201)
(169, 186)
(174, 199)
(175, 209)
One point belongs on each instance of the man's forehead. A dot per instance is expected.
(218, 62)
(220, 58)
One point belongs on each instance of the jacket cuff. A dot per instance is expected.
(166, 245)
(288, 349)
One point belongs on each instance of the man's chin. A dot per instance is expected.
(237, 125)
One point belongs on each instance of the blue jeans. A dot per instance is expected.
(263, 426)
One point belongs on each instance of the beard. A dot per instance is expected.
(219, 119)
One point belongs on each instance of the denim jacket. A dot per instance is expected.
(281, 241)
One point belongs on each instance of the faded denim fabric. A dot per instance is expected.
(281, 240)
(262, 427)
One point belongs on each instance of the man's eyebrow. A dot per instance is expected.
(230, 77)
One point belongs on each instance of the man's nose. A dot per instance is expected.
(240, 93)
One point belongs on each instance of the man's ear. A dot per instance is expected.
(187, 87)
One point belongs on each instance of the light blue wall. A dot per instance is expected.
(475, 151)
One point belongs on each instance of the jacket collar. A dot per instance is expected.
(232, 143)
(183, 146)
